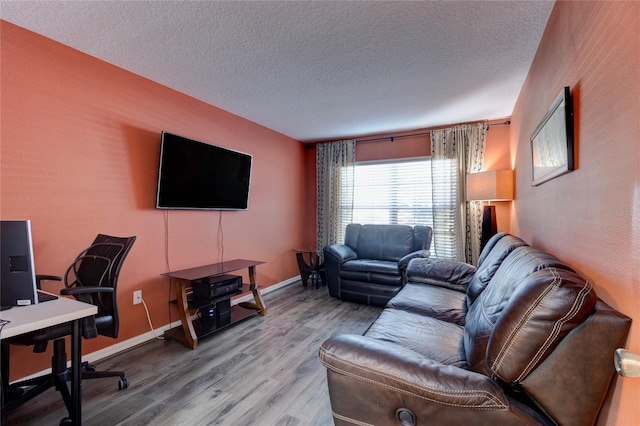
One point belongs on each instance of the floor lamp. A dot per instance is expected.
(492, 185)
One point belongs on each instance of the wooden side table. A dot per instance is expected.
(312, 268)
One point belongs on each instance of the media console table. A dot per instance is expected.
(193, 329)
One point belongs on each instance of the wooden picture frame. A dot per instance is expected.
(552, 152)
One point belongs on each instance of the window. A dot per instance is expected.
(400, 192)
(393, 192)
(446, 211)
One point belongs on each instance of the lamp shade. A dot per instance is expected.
(492, 185)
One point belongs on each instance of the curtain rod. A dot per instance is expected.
(392, 138)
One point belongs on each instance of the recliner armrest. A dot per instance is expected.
(340, 253)
(364, 371)
(443, 273)
(374, 361)
(418, 254)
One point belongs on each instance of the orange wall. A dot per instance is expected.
(496, 158)
(80, 149)
(590, 217)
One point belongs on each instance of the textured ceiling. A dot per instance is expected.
(313, 70)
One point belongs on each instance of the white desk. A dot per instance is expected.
(25, 319)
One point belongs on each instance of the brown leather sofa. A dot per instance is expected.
(370, 266)
(520, 340)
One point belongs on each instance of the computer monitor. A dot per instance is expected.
(17, 278)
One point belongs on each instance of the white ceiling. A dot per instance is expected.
(313, 70)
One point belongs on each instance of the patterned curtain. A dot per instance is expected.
(334, 181)
(476, 136)
(455, 152)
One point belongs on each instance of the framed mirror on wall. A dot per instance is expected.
(552, 149)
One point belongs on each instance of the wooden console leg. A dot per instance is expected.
(188, 336)
(259, 304)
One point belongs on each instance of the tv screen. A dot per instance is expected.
(197, 175)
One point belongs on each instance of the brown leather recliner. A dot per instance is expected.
(522, 340)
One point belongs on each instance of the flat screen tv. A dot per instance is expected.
(197, 175)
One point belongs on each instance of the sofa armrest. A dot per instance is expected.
(369, 379)
(340, 253)
(418, 254)
(393, 366)
(442, 273)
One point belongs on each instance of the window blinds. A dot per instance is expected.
(401, 192)
(393, 192)
(445, 208)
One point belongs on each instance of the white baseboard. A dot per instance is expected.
(143, 338)
(150, 335)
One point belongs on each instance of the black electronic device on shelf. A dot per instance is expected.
(216, 286)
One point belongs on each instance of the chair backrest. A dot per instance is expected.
(99, 266)
(386, 242)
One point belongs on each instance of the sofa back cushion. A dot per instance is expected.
(422, 236)
(384, 242)
(492, 256)
(571, 383)
(489, 246)
(487, 308)
(351, 234)
(542, 310)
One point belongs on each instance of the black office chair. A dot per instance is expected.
(91, 278)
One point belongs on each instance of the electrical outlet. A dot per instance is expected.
(137, 297)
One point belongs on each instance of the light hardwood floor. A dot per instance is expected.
(263, 371)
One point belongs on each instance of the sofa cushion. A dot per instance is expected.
(489, 246)
(436, 302)
(351, 233)
(422, 236)
(483, 313)
(384, 242)
(491, 259)
(434, 339)
(368, 265)
(441, 272)
(544, 309)
(367, 293)
(388, 290)
(582, 362)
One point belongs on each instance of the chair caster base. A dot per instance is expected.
(123, 383)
